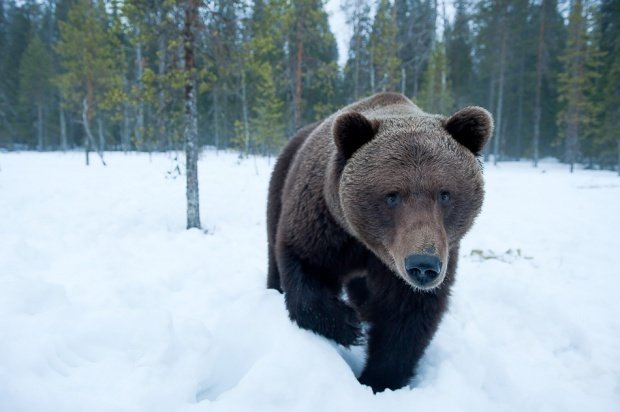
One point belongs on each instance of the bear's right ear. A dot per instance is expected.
(351, 131)
(471, 127)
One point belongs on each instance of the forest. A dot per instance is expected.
(106, 75)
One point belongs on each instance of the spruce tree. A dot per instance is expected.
(4, 103)
(607, 143)
(459, 56)
(416, 32)
(436, 93)
(385, 64)
(264, 51)
(19, 26)
(576, 84)
(357, 68)
(312, 55)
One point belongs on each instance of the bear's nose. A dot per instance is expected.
(423, 269)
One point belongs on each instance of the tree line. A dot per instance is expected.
(120, 75)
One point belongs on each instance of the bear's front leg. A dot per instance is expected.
(312, 300)
(402, 324)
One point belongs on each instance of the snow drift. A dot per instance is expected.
(108, 304)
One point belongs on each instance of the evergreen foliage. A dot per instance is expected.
(90, 81)
(357, 71)
(35, 73)
(459, 55)
(264, 68)
(577, 91)
(416, 22)
(384, 61)
(436, 96)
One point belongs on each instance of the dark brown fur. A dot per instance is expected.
(328, 221)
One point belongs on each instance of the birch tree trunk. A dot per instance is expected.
(356, 71)
(298, 86)
(101, 135)
(125, 126)
(244, 104)
(539, 67)
(520, 110)
(373, 88)
(191, 117)
(216, 120)
(140, 81)
(162, 136)
(618, 166)
(39, 127)
(89, 140)
(63, 129)
(500, 101)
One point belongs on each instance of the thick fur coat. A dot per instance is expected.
(374, 200)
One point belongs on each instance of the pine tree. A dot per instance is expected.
(35, 72)
(91, 80)
(153, 80)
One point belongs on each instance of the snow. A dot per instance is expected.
(108, 304)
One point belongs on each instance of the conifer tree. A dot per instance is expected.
(266, 124)
(264, 62)
(4, 102)
(35, 72)
(385, 64)
(416, 32)
(356, 70)
(459, 56)
(607, 143)
(576, 84)
(19, 27)
(91, 80)
(312, 56)
(436, 94)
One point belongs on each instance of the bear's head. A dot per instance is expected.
(409, 188)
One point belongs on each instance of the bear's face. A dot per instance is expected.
(412, 189)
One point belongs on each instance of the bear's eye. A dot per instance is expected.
(392, 199)
(444, 197)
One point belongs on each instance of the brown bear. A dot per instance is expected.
(374, 201)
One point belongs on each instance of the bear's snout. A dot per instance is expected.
(423, 269)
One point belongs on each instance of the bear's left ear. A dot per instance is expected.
(472, 127)
(352, 130)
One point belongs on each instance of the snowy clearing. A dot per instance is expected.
(108, 304)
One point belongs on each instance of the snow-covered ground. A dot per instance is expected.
(108, 304)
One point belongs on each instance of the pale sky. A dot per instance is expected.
(341, 30)
(339, 27)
